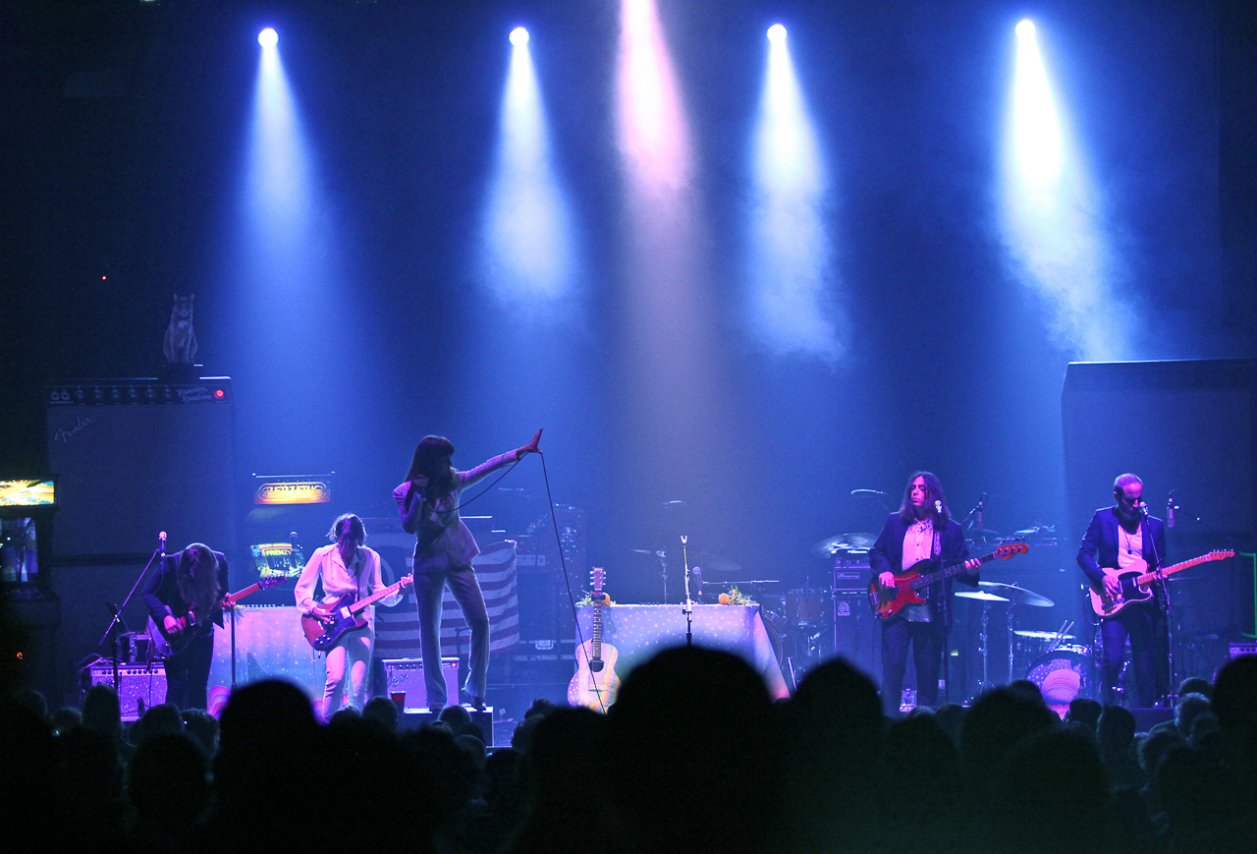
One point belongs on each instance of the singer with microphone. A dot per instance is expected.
(1119, 539)
(920, 530)
(428, 501)
(184, 598)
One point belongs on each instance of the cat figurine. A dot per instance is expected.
(179, 345)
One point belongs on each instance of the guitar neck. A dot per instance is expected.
(375, 597)
(245, 592)
(1149, 577)
(947, 572)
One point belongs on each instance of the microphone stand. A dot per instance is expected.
(1167, 613)
(688, 608)
(111, 632)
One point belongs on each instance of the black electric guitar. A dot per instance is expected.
(595, 684)
(167, 642)
(1135, 584)
(911, 585)
(324, 628)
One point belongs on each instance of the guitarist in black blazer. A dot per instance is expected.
(923, 512)
(189, 582)
(1125, 537)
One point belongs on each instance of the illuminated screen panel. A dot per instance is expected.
(28, 493)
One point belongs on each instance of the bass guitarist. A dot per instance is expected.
(346, 567)
(185, 600)
(920, 530)
(1124, 537)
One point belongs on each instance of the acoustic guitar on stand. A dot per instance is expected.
(165, 643)
(330, 622)
(595, 684)
(1135, 584)
(912, 585)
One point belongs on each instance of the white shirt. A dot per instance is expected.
(327, 564)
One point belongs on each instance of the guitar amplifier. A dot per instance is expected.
(1238, 649)
(405, 675)
(851, 570)
(143, 686)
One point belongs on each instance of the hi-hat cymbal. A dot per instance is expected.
(829, 546)
(1020, 595)
(980, 596)
(1037, 635)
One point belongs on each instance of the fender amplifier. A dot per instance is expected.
(143, 686)
(405, 676)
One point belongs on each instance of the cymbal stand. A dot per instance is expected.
(984, 647)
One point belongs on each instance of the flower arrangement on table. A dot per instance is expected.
(735, 597)
(589, 599)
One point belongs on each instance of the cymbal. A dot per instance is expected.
(983, 534)
(1019, 595)
(980, 596)
(709, 562)
(839, 542)
(724, 583)
(1031, 633)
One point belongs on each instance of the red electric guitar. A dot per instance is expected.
(189, 624)
(911, 585)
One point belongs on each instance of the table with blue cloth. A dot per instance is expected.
(640, 631)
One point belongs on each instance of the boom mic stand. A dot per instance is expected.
(115, 623)
(1167, 613)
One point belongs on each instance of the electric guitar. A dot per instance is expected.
(324, 628)
(165, 643)
(910, 587)
(1134, 584)
(595, 684)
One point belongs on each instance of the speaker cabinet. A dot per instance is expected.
(135, 457)
(143, 686)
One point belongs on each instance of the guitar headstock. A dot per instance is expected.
(1221, 554)
(597, 576)
(271, 581)
(1007, 550)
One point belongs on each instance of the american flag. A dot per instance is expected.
(397, 628)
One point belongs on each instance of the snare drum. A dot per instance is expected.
(1062, 674)
(808, 607)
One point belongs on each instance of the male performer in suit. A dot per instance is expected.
(1124, 537)
(185, 599)
(922, 529)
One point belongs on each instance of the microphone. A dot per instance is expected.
(1169, 511)
(980, 518)
(296, 550)
(938, 507)
(161, 536)
(1143, 508)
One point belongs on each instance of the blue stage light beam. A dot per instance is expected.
(1053, 220)
(527, 247)
(791, 306)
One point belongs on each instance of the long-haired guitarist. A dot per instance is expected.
(347, 567)
(428, 502)
(920, 530)
(184, 598)
(1125, 538)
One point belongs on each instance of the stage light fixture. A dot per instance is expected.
(1025, 28)
(268, 37)
(776, 34)
(519, 37)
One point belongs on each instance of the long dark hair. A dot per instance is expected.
(197, 578)
(933, 492)
(432, 461)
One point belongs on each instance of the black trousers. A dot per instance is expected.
(926, 640)
(187, 673)
(1143, 624)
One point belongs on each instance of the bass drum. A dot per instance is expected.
(1062, 674)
